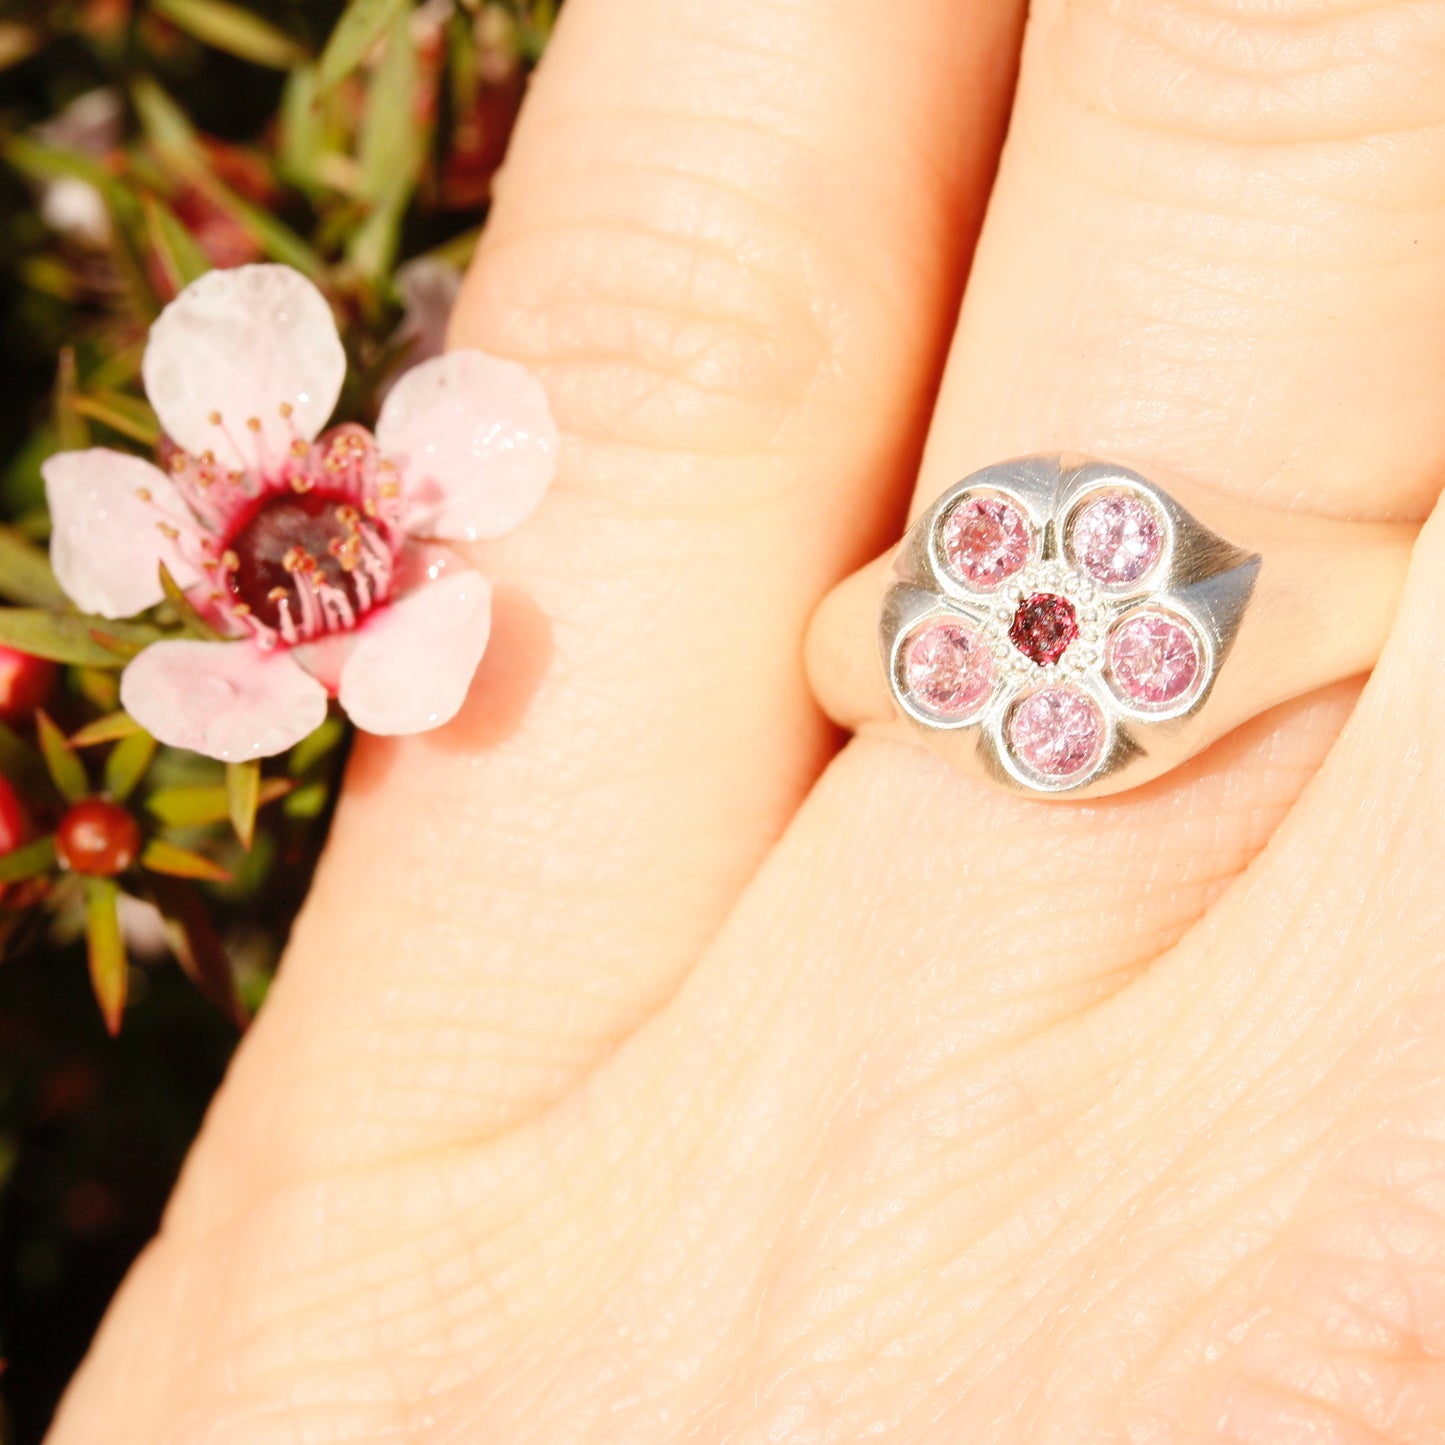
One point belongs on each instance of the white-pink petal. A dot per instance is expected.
(475, 441)
(227, 700)
(244, 344)
(107, 511)
(414, 661)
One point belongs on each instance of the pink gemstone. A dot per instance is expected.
(1154, 660)
(1117, 538)
(1057, 732)
(986, 540)
(948, 668)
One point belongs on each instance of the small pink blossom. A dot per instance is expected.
(307, 549)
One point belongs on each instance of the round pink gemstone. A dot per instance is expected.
(1117, 538)
(948, 668)
(986, 540)
(1154, 660)
(1057, 732)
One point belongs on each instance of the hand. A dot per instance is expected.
(629, 1081)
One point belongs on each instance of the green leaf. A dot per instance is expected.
(66, 770)
(392, 149)
(200, 806)
(391, 145)
(230, 28)
(315, 745)
(161, 856)
(192, 623)
(360, 27)
(27, 862)
(189, 807)
(19, 762)
(106, 947)
(307, 802)
(109, 729)
(243, 797)
(73, 638)
(127, 764)
(128, 415)
(197, 945)
(163, 121)
(71, 432)
(176, 251)
(279, 242)
(25, 574)
(302, 128)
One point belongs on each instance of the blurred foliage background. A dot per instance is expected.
(145, 894)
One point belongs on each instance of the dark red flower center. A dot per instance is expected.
(301, 552)
(1043, 627)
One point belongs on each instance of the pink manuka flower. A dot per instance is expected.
(306, 550)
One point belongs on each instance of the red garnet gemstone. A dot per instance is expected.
(97, 837)
(1043, 627)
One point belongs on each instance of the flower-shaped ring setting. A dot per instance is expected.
(1063, 626)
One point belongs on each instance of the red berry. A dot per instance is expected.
(12, 819)
(97, 837)
(25, 683)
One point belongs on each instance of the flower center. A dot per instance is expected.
(1043, 627)
(308, 563)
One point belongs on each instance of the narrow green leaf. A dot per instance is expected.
(243, 796)
(307, 802)
(196, 944)
(71, 432)
(189, 807)
(161, 856)
(192, 623)
(315, 745)
(200, 806)
(302, 128)
(106, 947)
(163, 121)
(19, 762)
(176, 251)
(27, 862)
(390, 145)
(278, 241)
(66, 770)
(25, 574)
(392, 149)
(109, 729)
(360, 27)
(72, 638)
(127, 764)
(230, 28)
(128, 415)
(52, 163)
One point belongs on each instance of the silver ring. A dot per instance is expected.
(1066, 627)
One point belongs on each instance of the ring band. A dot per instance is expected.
(1067, 628)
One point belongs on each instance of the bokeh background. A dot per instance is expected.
(142, 142)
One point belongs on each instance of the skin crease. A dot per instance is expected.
(629, 1081)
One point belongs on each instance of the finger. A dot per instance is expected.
(1215, 246)
(728, 240)
(1201, 257)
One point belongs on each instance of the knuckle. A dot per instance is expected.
(667, 309)
(1295, 71)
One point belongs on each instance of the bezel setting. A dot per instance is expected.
(1180, 583)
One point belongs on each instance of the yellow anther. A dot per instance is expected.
(143, 494)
